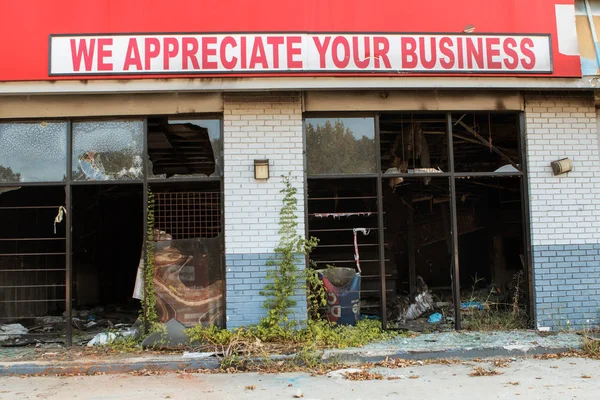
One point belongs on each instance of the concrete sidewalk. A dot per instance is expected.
(465, 345)
(565, 378)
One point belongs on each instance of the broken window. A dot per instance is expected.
(107, 244)
(184, 147)
(33, 151)
(108, 150)
(189, 272)
(340, 146)
(476, 201)
(491, 246)
(343, 215)
(486, 142)
(418, 239)
(32, 254)
(413, 143)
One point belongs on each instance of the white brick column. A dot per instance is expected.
(258, 126)
(565, 210)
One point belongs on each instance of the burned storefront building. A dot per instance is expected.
(419, 138)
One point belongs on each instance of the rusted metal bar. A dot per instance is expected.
(30, 239)
(29, 208)
(339, 230)
(33, 270)
(380, 226)
(30, 286)
(31, 254)
(345, 198)
(454, 227)
(32, 301)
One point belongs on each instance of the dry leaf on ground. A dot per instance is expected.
(480, 371)
(363, 376)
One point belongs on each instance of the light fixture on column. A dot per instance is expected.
(561, 166)
(261, 169)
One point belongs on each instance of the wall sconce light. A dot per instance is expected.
(261, 169)
(561, 166)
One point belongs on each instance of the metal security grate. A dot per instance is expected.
(32, 254)
(188, 215)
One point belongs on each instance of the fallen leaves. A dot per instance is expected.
(480, 371)
(556, 356)
(586, 376)
(147, 372)
(363, 375)
(501, 363)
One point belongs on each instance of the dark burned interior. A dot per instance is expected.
(32, 253)
(107, 246)
(417, 215)
(180, 148)
(108, 223)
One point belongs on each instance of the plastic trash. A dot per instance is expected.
(471, 304)
(342, 286)
(12, 331)
(373, 317)
(435, 318)
(102, 339)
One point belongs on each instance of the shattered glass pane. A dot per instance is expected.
(185, 148)
(188, 278)
(33, 151)
(107, 150)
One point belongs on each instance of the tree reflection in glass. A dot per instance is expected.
(341, 146)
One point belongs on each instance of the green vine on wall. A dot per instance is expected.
(284, 277)
(148, 312)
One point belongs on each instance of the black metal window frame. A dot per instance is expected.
(145, 182)
(452, 175)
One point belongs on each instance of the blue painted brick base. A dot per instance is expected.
(245, 278)
(567, 285)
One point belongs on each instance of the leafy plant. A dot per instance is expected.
(322, 334)
(125, 344)
(591, 344)
(148, 313)
(283, 276)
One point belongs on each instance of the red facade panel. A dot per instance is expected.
(509, 37)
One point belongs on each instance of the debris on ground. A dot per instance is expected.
(480, 371)
(12, 331)
(102, 339)
(407, 308)
(435, 318)
(363, 375)
(298, 394)
(466, 305)
(341, 373)
(172, 334)
(105, 338)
